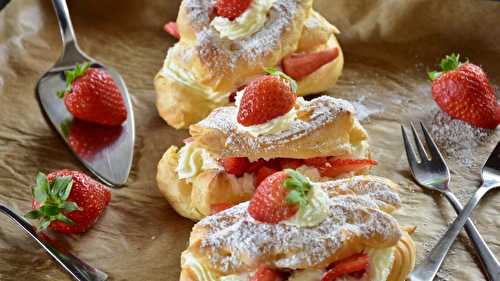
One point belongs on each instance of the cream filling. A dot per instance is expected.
(194, 160)
(380, 265)
(251, 21)
(177, 73)
(315, 212)
(272, 126)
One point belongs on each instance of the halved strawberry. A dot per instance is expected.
(352, 264)
(256, 165)
(264, 99)
(279, 197)
(463, 91)
(289, 163)
(265, 273)
(299, 66)
(231, 9)
(336, 167)
(316, 161)
(219, 207)
(171, 28)
(236, 165)
(263, 173)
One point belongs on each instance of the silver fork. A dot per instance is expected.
(433, 173)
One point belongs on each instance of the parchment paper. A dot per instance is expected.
(389, 45)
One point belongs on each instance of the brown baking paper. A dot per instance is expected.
(388, 44)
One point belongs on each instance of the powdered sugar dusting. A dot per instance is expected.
(234, 241)
(223, 54)
(320, 111)
(458, 139)
(362, 111)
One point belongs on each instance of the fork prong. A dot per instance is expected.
(410, 153)
(433, 149)
(418, 143)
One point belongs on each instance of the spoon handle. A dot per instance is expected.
(77, 268)
(71, 52)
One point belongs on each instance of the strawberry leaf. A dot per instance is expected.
(35, 214)
(60, 187)
(64, 219)
(432, 75)
(299, 187)
(449, 63)
(40, 191)
(70, 207)
(71, 76)
(66, 127)
(44, 223)
(49, 210)
(291, 82)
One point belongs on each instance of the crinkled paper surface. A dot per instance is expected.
(389, 45)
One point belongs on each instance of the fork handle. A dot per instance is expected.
(428, 269)
(488, 261)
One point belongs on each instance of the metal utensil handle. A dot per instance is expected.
(430, 266)
(488, 260)
(77, 268)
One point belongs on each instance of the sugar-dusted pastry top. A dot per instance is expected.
(232, 241)
(325, 126)
(221, 53)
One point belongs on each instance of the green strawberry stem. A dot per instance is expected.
(273, 71)
(52, 198)
(71, 76)
(449, 63)
(299, 187)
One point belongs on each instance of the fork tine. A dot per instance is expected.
(418, 144)
(410, 153)
(433, 149)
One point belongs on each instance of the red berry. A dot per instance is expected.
(263, 173)
(256, 165)
(265, 273)
(219, 207)
(90, 196)
(268, 204)
(236, 165)
(231, 9)
(336, 167)
(299, 66)
(94, 97)
(288, 163)
(265, 98)
(171, 28)
(316, 161)
(352, 264)
(464, 92)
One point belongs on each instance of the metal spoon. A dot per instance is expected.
(112, 162)
(77, 268)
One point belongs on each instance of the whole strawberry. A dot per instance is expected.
(92, 95)
(279, 197)
(463, 91)
(68, 201)
(266, 98)
(231, 9)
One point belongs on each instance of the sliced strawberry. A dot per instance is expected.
(256, 165)
(236, 165)
(316, 161)
(265, 98)
(171, 28)
(231, 9)
(263, 173)
(353, 264)
(219, 207)
(265, 273)
(337, 167)
(188, 140)
(299, 66)
(289, 163)
(279, 196)
(463, 91)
